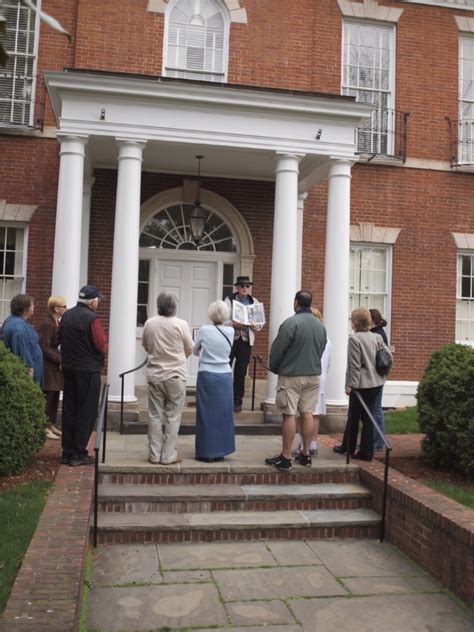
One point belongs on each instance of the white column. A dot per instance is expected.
(67, 240)
(86, 218)
(301, 200)
(123, 301)
(336, 277)
(285, 250)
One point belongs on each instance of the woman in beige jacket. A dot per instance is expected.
(361, 375)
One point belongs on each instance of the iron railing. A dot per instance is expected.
(461, 142)
(388, 449)
(101, 432)
(383, 134)
(122, 378)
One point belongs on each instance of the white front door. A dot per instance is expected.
(195, 284)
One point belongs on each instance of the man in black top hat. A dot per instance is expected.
(83, 347)
(244, 339)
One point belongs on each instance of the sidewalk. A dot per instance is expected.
(277, 586)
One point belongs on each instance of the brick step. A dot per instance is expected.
(223, 474)
(237, 526)
(202, 498)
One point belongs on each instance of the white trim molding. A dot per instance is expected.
(464, 241)
(366, 232)
(465, 25)
(236, 12)
(369, 9)
(466, 5)
(16, 212)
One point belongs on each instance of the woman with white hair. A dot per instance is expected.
(215, 435)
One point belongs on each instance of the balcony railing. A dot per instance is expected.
(461, 134)
(383, 134)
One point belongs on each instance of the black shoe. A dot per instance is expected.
(64, 460)
(237, 409)
(204, 459)
(81, 460)
(340, 449)
(279, 462)
(361, 457)
(304, 460)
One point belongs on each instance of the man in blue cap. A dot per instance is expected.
(83, 347)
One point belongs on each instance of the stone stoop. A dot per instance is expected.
(184, 504)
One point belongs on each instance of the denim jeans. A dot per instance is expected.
(378, 416)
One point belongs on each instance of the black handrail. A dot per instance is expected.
(101, 424)
(254, 379)
(122, 376)
(388, 449)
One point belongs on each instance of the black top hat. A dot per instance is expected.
(243, 280)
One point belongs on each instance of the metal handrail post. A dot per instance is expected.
(254, 380)
(96, 494)
(104, 435)
(385, 494)
(122, 378)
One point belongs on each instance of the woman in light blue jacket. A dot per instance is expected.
(215, 434)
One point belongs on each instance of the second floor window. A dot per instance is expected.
(466, 100)
(368, 74)
(196, 40)
(17, 78)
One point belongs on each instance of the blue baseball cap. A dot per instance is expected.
(89, 292)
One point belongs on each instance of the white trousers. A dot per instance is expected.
(165, 405)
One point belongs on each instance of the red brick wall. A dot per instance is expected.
(435, 531)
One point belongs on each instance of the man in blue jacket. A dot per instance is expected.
(295, 356)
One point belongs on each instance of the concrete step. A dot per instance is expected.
(202, 498)
(236, 526)
(222, 473)
(140, 427)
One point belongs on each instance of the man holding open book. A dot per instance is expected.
(247, 317)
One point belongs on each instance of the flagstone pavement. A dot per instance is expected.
(277, 586)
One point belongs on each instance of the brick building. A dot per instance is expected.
(338, 154)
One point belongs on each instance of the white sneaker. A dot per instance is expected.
(313, 449)
(51, 435)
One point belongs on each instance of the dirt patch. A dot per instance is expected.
(415, 467)
(43, 467)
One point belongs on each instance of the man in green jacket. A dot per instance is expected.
(295, 356)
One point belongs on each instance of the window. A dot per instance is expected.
(196, 40)
(228, 280)
(17, 79)
(369, 279)
(143, 291)
(466, 100)
(170, 229)
(368, 74)
(465, 299)
(12, 265)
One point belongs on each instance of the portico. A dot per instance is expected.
(137, 125)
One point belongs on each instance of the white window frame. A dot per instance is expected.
(386, 312)
(191, 74)
(459, 298)
(466, 125)
(392, 69)
(29, 122)
(6, 310)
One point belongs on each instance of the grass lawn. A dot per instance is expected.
(402, 421)
(463, 496)
(20, 509)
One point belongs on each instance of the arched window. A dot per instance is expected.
(196, 40)
(169, 229)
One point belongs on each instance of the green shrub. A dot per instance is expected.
(22, 414)
(446, 409)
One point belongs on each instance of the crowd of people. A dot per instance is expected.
(67, 354)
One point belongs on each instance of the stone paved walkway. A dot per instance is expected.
(353, 586)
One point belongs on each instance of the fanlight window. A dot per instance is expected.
(169, 229)
(197, 40)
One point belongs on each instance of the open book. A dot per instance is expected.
(248, 314)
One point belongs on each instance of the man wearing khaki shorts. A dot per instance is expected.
(295, 356)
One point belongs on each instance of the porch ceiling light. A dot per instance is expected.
(198, 217)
